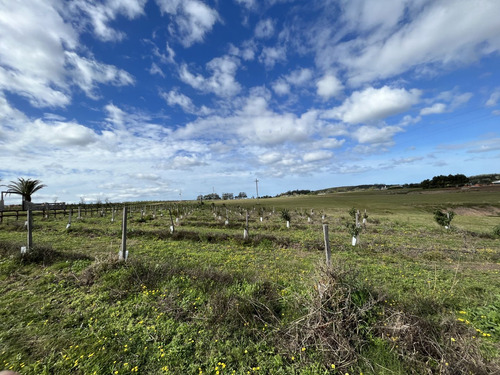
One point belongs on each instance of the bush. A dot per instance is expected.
(496, 231)
(443, 218)
(285, 214)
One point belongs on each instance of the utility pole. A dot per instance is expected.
(257, 187)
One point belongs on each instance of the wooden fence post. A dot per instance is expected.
(123, 254)
(327, 245)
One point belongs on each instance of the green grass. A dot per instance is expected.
(411, 298)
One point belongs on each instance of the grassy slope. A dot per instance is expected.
(204, 301)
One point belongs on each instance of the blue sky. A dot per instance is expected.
(164, 99)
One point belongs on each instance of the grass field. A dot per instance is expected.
(411, 297)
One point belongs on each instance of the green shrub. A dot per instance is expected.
(285, 214)
(443, 218)
(496, 231)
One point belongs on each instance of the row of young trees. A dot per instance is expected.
(225, 196)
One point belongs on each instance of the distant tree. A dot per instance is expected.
(213, 196)
(443, 181)
(241, 195)
(226, 196)
(26, 188)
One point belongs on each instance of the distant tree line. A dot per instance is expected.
(225, 196)
(295, 192)
(443, 181)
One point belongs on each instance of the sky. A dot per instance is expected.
(126, 100)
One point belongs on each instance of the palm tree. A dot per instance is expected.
(26, 188)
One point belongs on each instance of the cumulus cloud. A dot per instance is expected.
(33, 39)
(372, 44)
(101, 14)
(261, 125)
(155, 69)
(183, 162)
(264, 28)
(272, 55)
(38, 55)
(298, 77)
(329, 86)
(493, 99)
(280, 87)
(222, 82)
(270, 157)
(193, 19)
(59, 133)
(373, 104)
(317, 156)
(249, 4)
(86, 73)
(452, 100)
(376, 135)
(434, 109)
(176, 98)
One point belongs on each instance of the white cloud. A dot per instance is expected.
(38, 55)
(270, 157)
(264, 28)
(183, 162)
(258, 124)
(176, 98)
(155, 69)
(452, 98)
(434, 109)
(493, 99)
(280, 87)
(376, 135)
(317, 156)
(33, 36)
(249, 4)
(272, 55)
(329, 86)
(101, 14)
(329, 143)
(193, 19)
(60, 134)
(86, 73)
(222, 82)
(371, 43)
(374, 104)
(299, 77)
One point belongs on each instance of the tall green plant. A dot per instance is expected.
(444, 218)
(26, 188)
(285, 214)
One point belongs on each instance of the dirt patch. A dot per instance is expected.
(477, 211)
